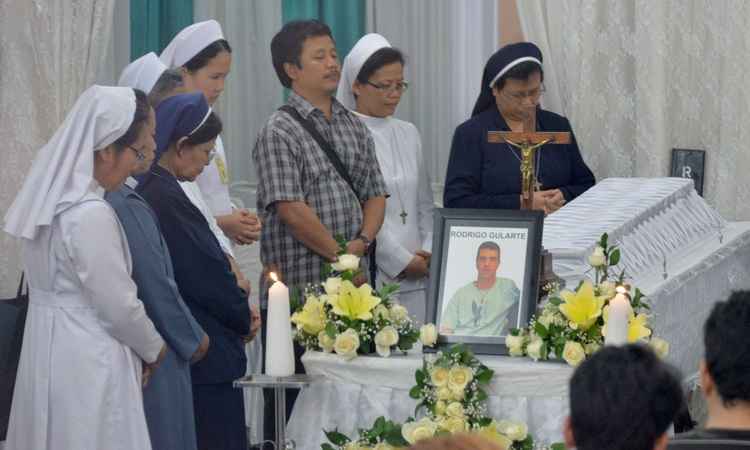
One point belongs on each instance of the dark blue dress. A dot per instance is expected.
(209, 288)
(168, 398)
(488, 176)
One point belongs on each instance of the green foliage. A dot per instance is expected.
(415, 392)
(337, 438)
(387, 290)
(295, 299)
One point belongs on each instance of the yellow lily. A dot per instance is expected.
(637, 329)
(354, 302)
(582, 308)
(312, 318)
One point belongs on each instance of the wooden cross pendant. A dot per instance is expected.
(403, 216)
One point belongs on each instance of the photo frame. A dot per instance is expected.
(689, 163)
(470, 301)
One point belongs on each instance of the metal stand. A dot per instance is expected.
(279, 385)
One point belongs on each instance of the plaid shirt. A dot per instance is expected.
(292, 167)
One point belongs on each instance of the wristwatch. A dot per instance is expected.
(365, 240)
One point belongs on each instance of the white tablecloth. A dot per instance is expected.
(355, 393)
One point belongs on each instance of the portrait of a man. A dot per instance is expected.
(485, 306)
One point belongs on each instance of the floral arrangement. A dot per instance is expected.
(451, 390)
(573, 324)
(339, 316)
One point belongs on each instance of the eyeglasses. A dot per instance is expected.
(533, 94)
(139, 155)
(401, 86)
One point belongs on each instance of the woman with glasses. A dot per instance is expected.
(186, 131)
(372, 85)
(488, 175)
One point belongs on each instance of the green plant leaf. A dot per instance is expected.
(603, 241)
(331, 330)
(326, 446)
(484, 421)
(484, 375)
(415, 392)
(557, 446)
(337, 438)
(540, 330)
(420, 376)
(614, 257)
(557, 301)
(387, 290)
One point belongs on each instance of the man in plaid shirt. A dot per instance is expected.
(302, 199)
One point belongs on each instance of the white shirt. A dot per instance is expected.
(79, 377)
(214, 183)
(195, 195)
(399, 150)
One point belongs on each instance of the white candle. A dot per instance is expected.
(279, 348)
(619, 315)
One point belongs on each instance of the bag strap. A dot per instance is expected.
(324, 145)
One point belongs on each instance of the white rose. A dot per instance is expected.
(346, 262)
(440, 408)
(573, 353)
(660, 347)
(546, 319)
(416, 431)
(534, 349)
(597, 258)
(383, 446)
(607, 289)
(399, 313)
(454, 424)
(381, 312)
(457, 394)
(455, 409)
(516, 431)
(346, 344)
(444, 393)
(353, 445)
(514, 344)
(332, 285)
(428, 335)
(384, 340)
(591, 347)
(326, 342)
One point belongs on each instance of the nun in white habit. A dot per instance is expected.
(87, 334)
(372, 83)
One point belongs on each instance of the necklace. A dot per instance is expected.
(391, 140)
(538, 182)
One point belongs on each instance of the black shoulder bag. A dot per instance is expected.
(339, 166)
(12, 321)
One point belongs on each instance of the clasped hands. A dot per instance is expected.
(241, 226)
(548, 201)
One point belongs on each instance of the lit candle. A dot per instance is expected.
(279, 349)
(619, 316)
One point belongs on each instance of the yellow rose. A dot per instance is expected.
(459, 377)
(312, 318)
(490, 433)
(354, 302)
(439, 376)
(573, 353)
(326, 342)
(516, 431)
(453, 424)
(660, 347)
(332, 285)
(416, 431)
(346, 344)
(440, 408)
(428, 335)
(444, 393)
(399, 314)
(385, 339)
(383, 446)
(514, 344)
(353, 445)
(346, 262)
(455, 409)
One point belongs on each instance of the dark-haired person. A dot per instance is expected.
(168, 399)
(204, 58)
(725, 372)
(487, 175)
(186, 131)
(622, 398)
(487, 306)
(371, 85)
(87, 338)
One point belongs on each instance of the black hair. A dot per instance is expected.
(286, 45)
(382, 57)
(520, 72)
(165, 86)
(726, 336)
(203, 57)
(207, 131)
(623, 398)
(140, 117)
(489, 245)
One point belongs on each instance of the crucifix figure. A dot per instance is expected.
(403, 216)
(528, 144)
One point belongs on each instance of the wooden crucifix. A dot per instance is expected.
(528, 143)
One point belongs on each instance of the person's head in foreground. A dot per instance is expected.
(305, 59)
(460, 441)
(622, 398)
(186, 131)
(725, 368)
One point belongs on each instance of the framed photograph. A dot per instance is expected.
(687, 163)
(484, 275)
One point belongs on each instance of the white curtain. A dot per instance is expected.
(50, 52)
(638, 78)
(252, 91)
(446, 43)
